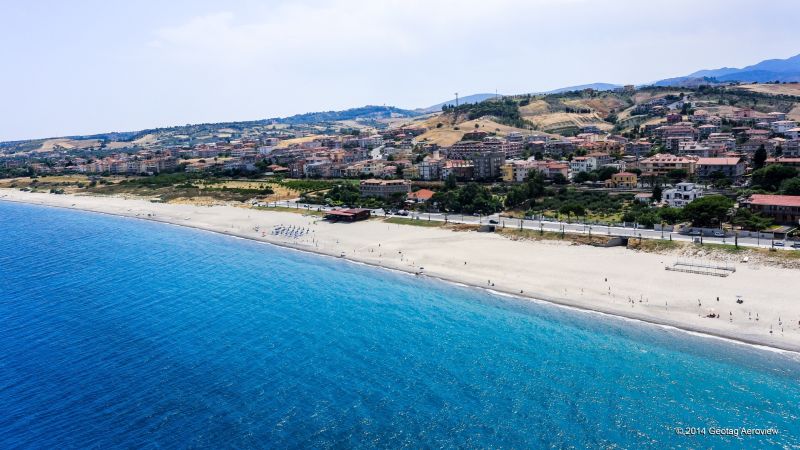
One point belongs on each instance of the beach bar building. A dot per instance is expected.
(348, 215)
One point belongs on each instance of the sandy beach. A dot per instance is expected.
(613, 280)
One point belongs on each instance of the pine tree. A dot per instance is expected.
(760, 157)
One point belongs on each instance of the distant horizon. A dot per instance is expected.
(175, 125)
(91, 68)
(535, 92)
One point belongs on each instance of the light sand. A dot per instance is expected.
(637, 284)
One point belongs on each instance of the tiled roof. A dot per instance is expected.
(718, 161)
(775, 200)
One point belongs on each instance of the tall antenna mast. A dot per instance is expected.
(456, 99)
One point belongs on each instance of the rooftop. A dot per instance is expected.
(783, 159)
(347, 212)
(665, 157)
(718, 161)
(775, 200)
(376, 182)
(422, 194)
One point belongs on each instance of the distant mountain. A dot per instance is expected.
(769, 70)
(595, 86)
(474, 98)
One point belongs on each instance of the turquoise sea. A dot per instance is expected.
(120, 333)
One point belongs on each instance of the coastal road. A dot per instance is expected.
(557, 226)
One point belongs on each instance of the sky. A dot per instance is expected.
(85, 66)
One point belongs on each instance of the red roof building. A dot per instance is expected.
(348, 215)
(784, 161)
(421, 195)
(781, 208)
(731, 167)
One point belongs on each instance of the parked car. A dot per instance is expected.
(796, 245)
(493, 221)
(719, 234)
(695, 233)
(777, 244)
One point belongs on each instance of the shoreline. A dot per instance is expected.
(567, 303)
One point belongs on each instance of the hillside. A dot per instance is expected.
(443, 132)
(364, 113)
(774, 89)
(317, 122)
(562, 113)
(595, 86)
(474, 98)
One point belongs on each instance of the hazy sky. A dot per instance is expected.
(79, 67)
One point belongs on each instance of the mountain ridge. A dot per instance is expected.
(768, 70)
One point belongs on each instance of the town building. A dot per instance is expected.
(638, 148)
(672, 135)
(791, 148)
(348, 215)
(782, 126)
(459, 168)
(580, 164)
(732, 167)
(590, 162)
(384, 188)
(420, 196)
(681, 195)
(487, 165)
(707, 129)
(662, 164)
(784, 161)
(776, 116)
(691, 148)
(627, 180)
(784, 209)
(517, 171)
